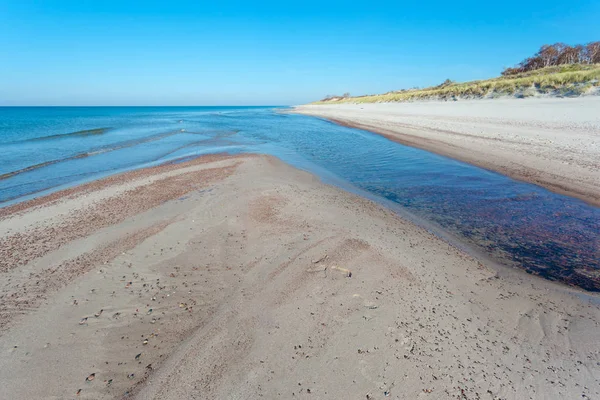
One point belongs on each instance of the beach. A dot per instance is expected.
(550, 142)
(239, 276)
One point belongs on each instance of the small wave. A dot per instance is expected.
(99, 150)
(86, 132)
(30, 168)
(70, 178)
(216, 133)
(196, 143)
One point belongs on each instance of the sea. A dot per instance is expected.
(520, 225)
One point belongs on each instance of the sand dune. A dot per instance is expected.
(233, 277)
(550, 142)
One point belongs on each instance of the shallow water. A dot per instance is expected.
(513, 222)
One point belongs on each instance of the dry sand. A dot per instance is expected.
(239, 277)
(550, 142)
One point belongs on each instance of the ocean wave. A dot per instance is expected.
(59, 181)
(86, 132)
(99, 150)
(217, 133)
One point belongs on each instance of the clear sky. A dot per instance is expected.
(219, 52)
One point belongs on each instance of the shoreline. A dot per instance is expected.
(549, 153)
(179, 280)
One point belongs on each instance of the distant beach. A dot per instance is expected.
(554, 143)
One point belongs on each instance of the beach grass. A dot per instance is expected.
(563, 80)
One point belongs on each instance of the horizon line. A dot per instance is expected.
(130, 105)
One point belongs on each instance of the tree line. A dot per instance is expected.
(558, 54)
(336, 97)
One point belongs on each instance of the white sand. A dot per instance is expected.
(551, 142)
(248, 278)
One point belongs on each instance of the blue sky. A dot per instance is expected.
(281, 52)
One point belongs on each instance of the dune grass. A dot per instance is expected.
(572, 80)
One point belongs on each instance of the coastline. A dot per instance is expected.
(178, 281)
(553, 143)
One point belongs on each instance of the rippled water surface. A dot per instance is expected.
(547, 234)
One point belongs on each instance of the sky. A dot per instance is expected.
(219, 52)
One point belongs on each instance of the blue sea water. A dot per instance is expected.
(48, 148)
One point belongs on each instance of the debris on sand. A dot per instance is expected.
(324, 268)
(320, 259)
(344, 270)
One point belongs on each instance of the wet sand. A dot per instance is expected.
(242, 277)
(554, 143)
